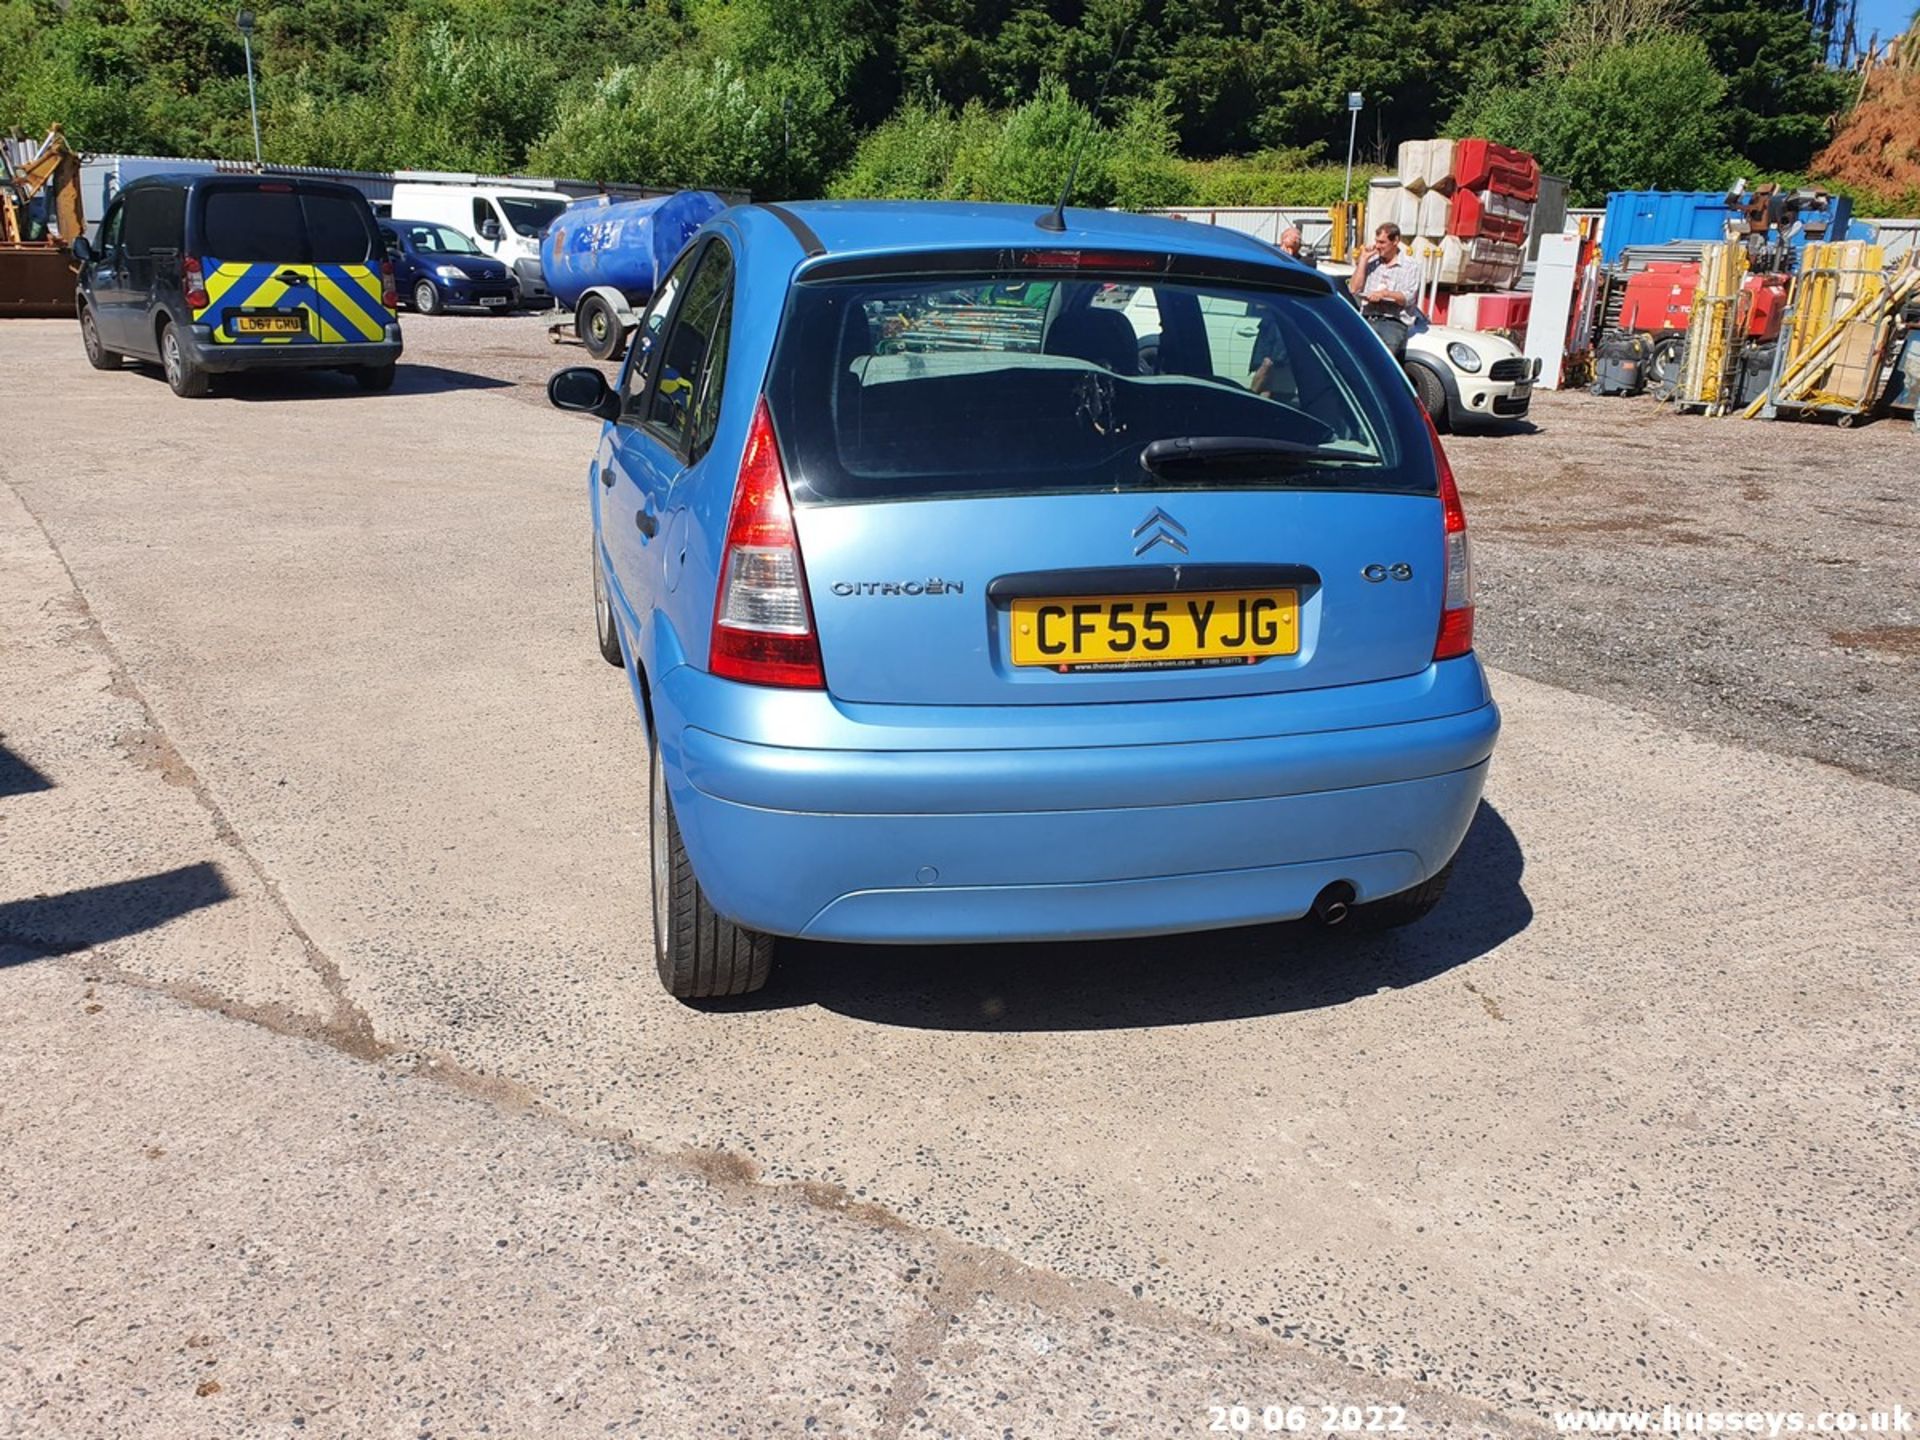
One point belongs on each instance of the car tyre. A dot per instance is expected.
(605, 631)
(1432, 394)
(600, 329)
(701, 955)
(1663, 365)
(1408, 906)
(426, 298)
(376, 377)
(98, 356)
(184, 376)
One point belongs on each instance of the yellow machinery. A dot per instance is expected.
(1835, 354)
(1709, 374)
(35, 276)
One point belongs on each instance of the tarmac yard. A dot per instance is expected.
(339, 1097)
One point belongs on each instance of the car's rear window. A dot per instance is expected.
(289, 225)
(895, 389)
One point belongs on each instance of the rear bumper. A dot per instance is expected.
(1001, 842)
(227, 359)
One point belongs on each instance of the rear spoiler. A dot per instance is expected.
(1081, 261)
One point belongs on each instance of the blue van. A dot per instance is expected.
(213, 274)
(960, 605)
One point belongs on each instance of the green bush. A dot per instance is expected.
(1269, 178)
(776, 131)
(1019, 155)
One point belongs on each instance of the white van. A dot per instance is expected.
(505, 220)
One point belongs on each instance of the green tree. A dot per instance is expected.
(1780, 97)
(1643, 115)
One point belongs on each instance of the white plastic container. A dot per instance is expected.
(1433, 215)
(1413, 164)
(1407, 211)
(1383, 205)
(1439, 172)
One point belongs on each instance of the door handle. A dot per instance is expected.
(291, 277)
(649, 526)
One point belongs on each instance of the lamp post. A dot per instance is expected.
(1353, 125)
(243, 22)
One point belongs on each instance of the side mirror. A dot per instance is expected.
(584, 389)
(489, 229)
(82, 251)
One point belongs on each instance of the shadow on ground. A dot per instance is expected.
(17, 777)
(1169, 980)
(60, 924)
(410, 379)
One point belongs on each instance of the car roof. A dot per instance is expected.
(849, 228)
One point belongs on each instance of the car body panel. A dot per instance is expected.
(952, 551)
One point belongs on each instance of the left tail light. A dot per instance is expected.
(389, 295)
(194, 281)
(1456, 608)
(763, 630)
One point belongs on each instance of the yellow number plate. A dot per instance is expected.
(269, 325)
(1134, 632)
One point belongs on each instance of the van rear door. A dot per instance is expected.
(289, 263)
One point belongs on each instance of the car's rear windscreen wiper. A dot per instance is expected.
(1242, 453)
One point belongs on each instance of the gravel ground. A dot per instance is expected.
(1757, 582)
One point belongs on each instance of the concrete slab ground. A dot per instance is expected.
(1628, 1122)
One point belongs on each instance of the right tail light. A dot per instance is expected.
(1456, 606)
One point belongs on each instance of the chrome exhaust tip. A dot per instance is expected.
(1333, 904)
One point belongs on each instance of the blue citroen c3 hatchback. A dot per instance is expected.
(978, 580)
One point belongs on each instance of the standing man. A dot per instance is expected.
(1386, 278)
(1290, 243)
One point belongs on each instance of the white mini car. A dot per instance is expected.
(1462, 377)
(1467, 377)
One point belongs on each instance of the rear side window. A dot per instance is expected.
(290, 226)
(920, 388)
(689, 337)
(336, 229)
(155, 220)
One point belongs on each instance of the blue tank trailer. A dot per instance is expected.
(604, 259)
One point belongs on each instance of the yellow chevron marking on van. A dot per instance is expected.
(349, 309)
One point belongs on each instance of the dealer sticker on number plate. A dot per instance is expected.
(1138, 632)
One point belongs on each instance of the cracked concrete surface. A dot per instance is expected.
(1628, 1121)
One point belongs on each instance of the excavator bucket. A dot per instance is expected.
(36, 274)
(35, 279)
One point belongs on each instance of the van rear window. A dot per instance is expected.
(934, 387)
(290, 226)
